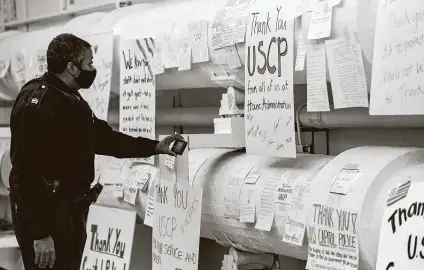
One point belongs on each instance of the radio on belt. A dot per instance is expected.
(179, 147)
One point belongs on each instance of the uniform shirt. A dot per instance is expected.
(55, 136)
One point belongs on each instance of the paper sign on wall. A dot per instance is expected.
(137, 106)
(109, 242)
(333, 238)
(398, 63)
(176, 230)
(402, 233)
(98, 94)
(269, 104)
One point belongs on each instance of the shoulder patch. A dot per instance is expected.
(37, 95)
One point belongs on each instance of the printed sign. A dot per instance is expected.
(269, 107)
(333, 239)
(176, 228)
(401, 244)
(109, 242)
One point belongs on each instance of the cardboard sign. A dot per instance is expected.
(109, 242)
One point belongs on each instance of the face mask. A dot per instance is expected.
(86, 78)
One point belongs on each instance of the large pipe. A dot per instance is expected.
(356, 118)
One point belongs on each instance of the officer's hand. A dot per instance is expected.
(44, 252)
(164, 145)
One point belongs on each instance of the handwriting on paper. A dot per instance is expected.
(137, 93)
(396, 87)
(176, 230)
(269, 83)
(317, 95)
(97, 96)
(347, 74)
(333, 237)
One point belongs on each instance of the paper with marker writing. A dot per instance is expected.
(398, 62)
(317, 95)
(40, 63)
(269, 109)
(401, 232)
(253, 176)
(176, 224)
(194, 166)
(320, 25)
(266, 209)
(115, 229)
(347, 75)
(227, 56)
(248, 205)
(137, 103)
(170, 162)
(339, 249)
(130, 194)
(112, 170)
(156, 63)
(18, 65)
(198, 33)
(97, 96)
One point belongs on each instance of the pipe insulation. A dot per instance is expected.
(379, 170)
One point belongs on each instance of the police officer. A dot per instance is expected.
(55, 136)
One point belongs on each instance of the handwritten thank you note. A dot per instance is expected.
(398, 64)
(402, 231)
(333, 239)
(269, 82)
(137, 94)
(176, 228)
(98, 94)
(109, 242)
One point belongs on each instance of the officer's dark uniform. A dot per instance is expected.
(55, 136)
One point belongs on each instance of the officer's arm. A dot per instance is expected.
(113, 143)
(36, 143)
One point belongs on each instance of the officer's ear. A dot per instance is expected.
(72, 68)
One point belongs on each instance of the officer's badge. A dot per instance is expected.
(34, 101)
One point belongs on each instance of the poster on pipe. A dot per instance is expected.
(269, 106)
(176, 226)
(137, 103)
(110, 234)
(398, 62)
(401, 244)
(97, 96)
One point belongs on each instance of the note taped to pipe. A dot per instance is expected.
(269, 107)
(333, 238)
(137, 103)
(177, 225)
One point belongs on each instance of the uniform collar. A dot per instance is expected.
(54, 80)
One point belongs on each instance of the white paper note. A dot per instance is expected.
(340, 251)
(269, 108)
(320, 26)
(150, 208)
(253, 176)
(343, 181)
(232, 192)
(171, 47)
(233, 57)
(398, 62)
(170, 162)
(130, 195)
(137, 90)
(184, 60)
(301, 53)
(198, 33)
(156, 63)
(118, 191)
(347, 74)
(248, 205)
(266, 210)
(317, 95)
(97, 96)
